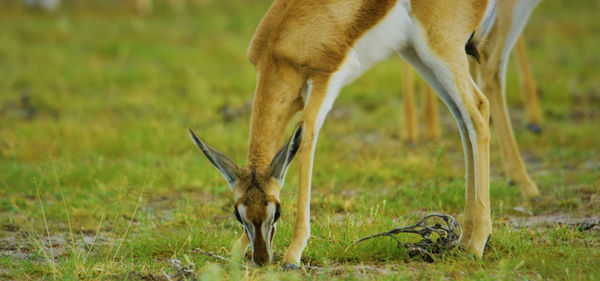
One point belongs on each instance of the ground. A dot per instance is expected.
(99, 179)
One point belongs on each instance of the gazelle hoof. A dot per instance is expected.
(534, 128)
(536, 201)
(290, 266)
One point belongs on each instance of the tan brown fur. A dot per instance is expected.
(325, 29)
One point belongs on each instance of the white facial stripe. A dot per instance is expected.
(249, 227)
(267, 225)
(306, 90)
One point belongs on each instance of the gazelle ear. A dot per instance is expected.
(284, 157)
(225, 165)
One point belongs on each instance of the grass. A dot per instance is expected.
(102, 182)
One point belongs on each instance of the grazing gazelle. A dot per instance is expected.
(305, 51)
(489, 72)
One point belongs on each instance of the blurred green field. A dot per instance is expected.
(99, 180)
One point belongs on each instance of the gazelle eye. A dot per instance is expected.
(277, 213)
(237, 214)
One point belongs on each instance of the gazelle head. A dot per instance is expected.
(256, 191)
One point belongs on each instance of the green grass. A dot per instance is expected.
(106, 155)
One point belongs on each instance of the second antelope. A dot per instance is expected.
(304, 52)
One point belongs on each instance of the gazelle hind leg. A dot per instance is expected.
(451, 80)
(410, 112)
(529, 89)
(495, 52)
(430, 115)
(492, 85)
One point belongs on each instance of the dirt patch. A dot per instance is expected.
(25, 108)
(582, 223)
(21, 245)
(360, 270)
(10, 227)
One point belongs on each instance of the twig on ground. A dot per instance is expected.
(181, 272)
(448, 236)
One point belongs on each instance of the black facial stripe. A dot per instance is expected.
(237, 214)
(277, 213)
(254, 183)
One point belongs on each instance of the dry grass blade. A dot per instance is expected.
(51, 259)
(93, 241)
(139, 202)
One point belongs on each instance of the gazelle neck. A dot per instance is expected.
(276, 101)
(285, 58)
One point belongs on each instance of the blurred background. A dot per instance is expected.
(96, 97)
(93, 70)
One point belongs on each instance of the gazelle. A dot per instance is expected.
(305, 51)
(510, 18)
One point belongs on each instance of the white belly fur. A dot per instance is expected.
(384, 39)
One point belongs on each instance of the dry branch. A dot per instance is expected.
(448, 236)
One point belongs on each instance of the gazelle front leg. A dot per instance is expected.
(321, 98)
(241, 245)
(474, 108)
